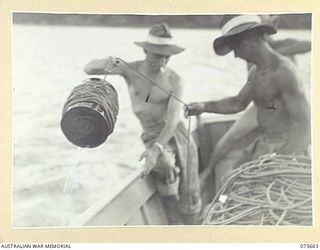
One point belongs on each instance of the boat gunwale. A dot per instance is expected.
(96, 207)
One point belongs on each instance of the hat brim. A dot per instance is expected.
(220, 44)
(166, 50)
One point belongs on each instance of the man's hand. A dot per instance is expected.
(151, 155)
(110, 63)
(195, 108)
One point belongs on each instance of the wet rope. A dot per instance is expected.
(188, 170)
(267, 191)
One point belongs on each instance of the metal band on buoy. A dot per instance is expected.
(90, 113)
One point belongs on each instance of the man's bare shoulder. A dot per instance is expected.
(175, 82)
(174, 78)
(286, 66)
(135, 64)
(285, 75)
(129, 71)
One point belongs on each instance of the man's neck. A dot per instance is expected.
(149, 70)
(265, 57)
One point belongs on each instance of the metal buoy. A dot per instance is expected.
(90, 113)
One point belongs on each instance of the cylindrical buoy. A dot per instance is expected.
(90, 113)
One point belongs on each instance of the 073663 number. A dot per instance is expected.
(305, 245)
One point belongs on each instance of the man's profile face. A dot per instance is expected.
(156, 61)
(242, 45)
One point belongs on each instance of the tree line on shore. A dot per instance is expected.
(287, 21)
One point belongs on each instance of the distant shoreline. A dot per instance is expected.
(287, 21)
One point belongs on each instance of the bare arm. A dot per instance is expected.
(173, 112)
(246, 123)
(151, 154)
(290, 46)
(231, 105)
(298, 109)
(104, 66)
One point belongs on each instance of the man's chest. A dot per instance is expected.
(264, 85)
(264, 90)
(148, 91)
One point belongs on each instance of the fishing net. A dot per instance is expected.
(272, 190)
(90, 113)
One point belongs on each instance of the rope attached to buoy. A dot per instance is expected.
(273, 190)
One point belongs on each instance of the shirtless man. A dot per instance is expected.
(283, 113)
(164, 135)
(223, 154)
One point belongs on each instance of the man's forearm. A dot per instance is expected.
(95, 67)
(167, 132)
(295, 47)
(104, 66)
(224, 106)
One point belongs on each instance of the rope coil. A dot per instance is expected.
(268, 191)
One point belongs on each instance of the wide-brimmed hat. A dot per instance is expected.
(233, 25)
(159, 40)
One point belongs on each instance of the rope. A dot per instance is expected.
(267, 191)
(188, 163)
(152, 81)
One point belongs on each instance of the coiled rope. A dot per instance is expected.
(272, 190)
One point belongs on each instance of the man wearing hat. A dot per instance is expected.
(273, 85)
(224, 155)
(164, 135)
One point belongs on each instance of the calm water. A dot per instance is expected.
(53, 180)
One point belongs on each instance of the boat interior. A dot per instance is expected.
(136, 203)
